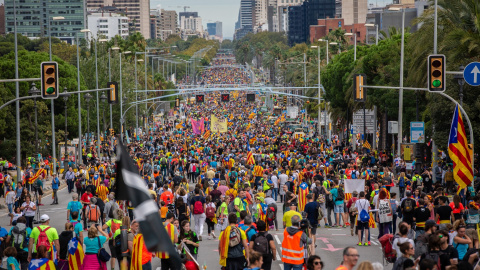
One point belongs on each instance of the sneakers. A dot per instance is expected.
(368, 243)
(214, 236)
(327, 226)
(347, 224)
(344, 226)
(359, 244)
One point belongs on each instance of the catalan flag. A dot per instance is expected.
(250, 159)
(179, 126)
(206, 135)
(253, 140)
(75, 254)
(302, 196)
(367, 145)
(258, 171)
(251, 116)
(41, 171)
(277, 121)
(41, 264)
(459, 151)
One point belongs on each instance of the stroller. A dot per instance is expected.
(389, 253)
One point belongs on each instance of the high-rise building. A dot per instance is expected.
(280, 13)
(301, 17)
(167, 24)
(137, 11)
(215, 30)
(108, 22)
(2, 20)
(260, 12)
(34, 18)
(354, 11)
(246, 17)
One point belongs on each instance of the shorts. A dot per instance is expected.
(339, 209)
(362, 225)
(472, 233)
(313, 230)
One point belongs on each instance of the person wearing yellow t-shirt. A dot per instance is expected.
(114, 225)
(51, 233)
(102, 191)
(287, 216)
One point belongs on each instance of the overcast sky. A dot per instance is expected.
(225, 11)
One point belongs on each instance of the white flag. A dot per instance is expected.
(352, 185)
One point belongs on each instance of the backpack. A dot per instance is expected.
(163, 161)
(354, 174)
(42, 239)
(92, 214)
(434, 257)
(364, 216)
(235, 236)
(421, 246)
(92, 170)
(75, 207)
(210, 213)
(341, 195)
(408, 206)
(231, 207)
(401, 182)
(270, 213)
(198, 208)
(194, 168)
(112, 210)
(100, 170)
(261, 244)
(19, 235)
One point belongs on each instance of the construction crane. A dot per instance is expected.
(184, 7)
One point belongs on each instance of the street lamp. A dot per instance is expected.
(324, 40)
(136, 93)
(103, 97)
(80, 141)
(87, 98)
(35, 92)
(376, 31)
(354, 45)
(110, 79)
(121, 93)
(65, 159)
(319, 85)
(50, 32)
(461, 82)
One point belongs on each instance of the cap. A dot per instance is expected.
(44, 218)
(430, 222)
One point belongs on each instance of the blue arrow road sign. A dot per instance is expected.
(471, 74)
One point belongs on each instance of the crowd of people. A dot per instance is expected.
(238, 184)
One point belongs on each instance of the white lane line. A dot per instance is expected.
(278, 240)
(375, 243)
(279, 249)
(281, 266)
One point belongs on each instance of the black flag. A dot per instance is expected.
(129, 186)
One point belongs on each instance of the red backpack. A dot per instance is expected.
(42, 239)
(210, 212)
(198, 208)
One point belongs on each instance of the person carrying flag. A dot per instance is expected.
(166, 261)
(42, 262)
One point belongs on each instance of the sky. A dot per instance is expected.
(225, 11)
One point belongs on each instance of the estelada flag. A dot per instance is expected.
(41, 264)
(302, 196)
(75, 254)
(41, 171)
(459, 151)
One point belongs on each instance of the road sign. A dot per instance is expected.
(471, 74)
(417, 132)
(392, 127)
(369, 120)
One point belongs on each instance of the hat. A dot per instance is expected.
(293, 204)
(430, 222)
(211, 183)
(44, 218)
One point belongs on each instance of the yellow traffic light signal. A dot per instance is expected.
(285, 100)
(436, 72)
(360, 93)
(113, 93)
(112, 132)
(49, 77)
(177, 102)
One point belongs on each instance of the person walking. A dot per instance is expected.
(295, 241)
(363, 206)
(384, 213)
(197, 205)
(70, 177)
(167, 262)
(232, 242)
(350, 258)
(262, 242)
(43, 235)
(93, 243)
(29, 209)
(55, 185)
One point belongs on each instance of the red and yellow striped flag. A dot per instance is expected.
(257, 171)
(41, 264)
(250, 159)
(460, 152)
(41, 171)
(206, 135)
(302, 196)
(75, 254)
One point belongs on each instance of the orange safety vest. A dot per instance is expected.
(292, 252)
(171, 232)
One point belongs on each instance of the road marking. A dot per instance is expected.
(281, 266)
(278, 240)
(339, 234)
(375, 243)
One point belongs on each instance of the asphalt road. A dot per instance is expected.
(330, 242)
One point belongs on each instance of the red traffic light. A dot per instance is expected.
(225, 97)
(200, 98)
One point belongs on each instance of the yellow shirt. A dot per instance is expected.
(287, 217)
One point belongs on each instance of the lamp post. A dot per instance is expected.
(80, 141)
(65, 159)
(136, 92)
(121, 95)
(376, 31)
(326, 41)
(319, 84)
(87, 98)
(461, 82)
(96, 93)
(354, 44)
(35, 92)
(103, 97)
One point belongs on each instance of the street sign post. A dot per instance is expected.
(417, 132)
(369, 120)
(471, 74)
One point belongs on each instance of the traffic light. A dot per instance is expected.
(251, 97)
(177, 102)
(113, 93)
(225, 97)
(436, 72)
(285, 100)
(200, 98)
(112, 132)
(49, 77)
(359, 93)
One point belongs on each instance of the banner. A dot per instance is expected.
(198, 126)
(217, 125)
(352, 185)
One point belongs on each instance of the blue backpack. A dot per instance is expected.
(401, 182)
(75, 207)
(364, 216)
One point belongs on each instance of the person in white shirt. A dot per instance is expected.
(282, 179)
(403, 237)
(274, 179)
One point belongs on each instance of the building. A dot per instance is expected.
(2, 20)
(354, 11)
(34, 18)
(167, 24)
(107, 24)
(246, 18)
(137, 11)
(301, 17)
(280, 14)
(215, 30)
(186, 14)
(325, 26)
(260, 15)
